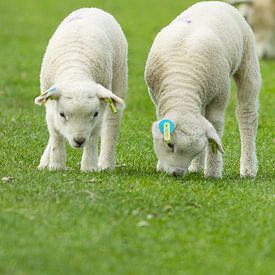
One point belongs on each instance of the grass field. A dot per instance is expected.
(80, 223)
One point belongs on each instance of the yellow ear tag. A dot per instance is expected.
(111, 104)
(166, 133)
(214, 146)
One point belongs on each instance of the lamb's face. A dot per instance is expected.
(175, 157)
(76, 110)
(189, 136)
(76, 117)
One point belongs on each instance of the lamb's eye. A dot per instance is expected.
(95, 114)
(172, 146)
(62, 115)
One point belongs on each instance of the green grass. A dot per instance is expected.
(79, 223)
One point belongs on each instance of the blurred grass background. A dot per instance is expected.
(56, 223)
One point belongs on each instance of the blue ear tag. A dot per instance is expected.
(166, 127)
(50, 91)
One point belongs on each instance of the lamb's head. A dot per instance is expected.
(178, 139)
(76, 110)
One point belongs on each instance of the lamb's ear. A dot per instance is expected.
(213, 137)
(51, 93)
(109, 97)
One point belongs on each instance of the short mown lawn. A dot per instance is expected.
(132, 220)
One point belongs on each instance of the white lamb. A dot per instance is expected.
(260, 15)
(84, 68)
(188, 73)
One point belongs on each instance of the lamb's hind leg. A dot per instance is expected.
(111, 123)
(45, 159)
(248, 81)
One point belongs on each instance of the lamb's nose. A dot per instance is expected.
(79, 141)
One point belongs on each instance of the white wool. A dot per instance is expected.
(85, 63)
(188, 73)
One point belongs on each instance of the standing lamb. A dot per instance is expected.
(83, 70)
(188, 73)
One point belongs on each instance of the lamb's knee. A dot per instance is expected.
(247, 113)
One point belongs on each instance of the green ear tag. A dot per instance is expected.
(166, 133)
(111, 105)
(214, 146)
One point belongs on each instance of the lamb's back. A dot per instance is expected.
(201, 45)
(88, 40)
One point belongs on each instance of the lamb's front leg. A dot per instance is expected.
(110, 129)
(213, 164)
(57, 153)
(89, 160)
(54, 156)
(45, 159)
(214, 160)
(198, 163)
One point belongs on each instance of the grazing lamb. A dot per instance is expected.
(260, 14)
(188, 73)
(83, 70)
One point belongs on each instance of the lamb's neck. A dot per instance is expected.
(179, 101)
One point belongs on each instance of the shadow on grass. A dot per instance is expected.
(126, 175)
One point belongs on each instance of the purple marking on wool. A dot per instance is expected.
(185, 19)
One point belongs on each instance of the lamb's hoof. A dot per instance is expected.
(57, 168)
(214, 175)
(106, 167)
(42, 166)
(248, 174)
(250, 170)
(89, 169)
(195, 169)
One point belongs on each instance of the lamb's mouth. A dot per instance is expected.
(78, 142)
(176, 171)
(77, 145)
